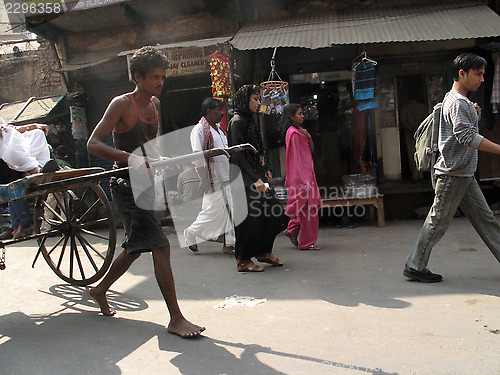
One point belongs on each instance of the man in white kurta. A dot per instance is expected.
(215, 218)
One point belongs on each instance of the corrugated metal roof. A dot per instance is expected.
(30, 110)
(8, 111)
(405, 24)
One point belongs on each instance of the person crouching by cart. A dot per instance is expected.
(24, 151)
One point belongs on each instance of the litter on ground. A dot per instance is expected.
(238, 300)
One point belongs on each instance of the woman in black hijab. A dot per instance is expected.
(255, 235)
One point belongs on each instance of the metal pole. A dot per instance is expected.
(183, 159)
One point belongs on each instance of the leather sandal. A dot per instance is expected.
(311, 247)
(271, 259)
(293, 239)
(228, 250)
(248, 266)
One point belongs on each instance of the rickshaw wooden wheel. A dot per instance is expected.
(76, 245)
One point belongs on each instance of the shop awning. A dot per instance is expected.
(185, 44)
(459, 20)
(31, 110)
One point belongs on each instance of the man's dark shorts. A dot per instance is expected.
(143, 231)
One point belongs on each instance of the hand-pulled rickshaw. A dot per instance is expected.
(72, 214)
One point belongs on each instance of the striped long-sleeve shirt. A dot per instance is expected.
(459, 136)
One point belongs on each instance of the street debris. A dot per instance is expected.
(238, 300)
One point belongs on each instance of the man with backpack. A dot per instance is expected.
(454, 181)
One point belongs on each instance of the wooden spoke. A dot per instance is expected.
(95, 234)
(90, 246)
(80, 203)
(83, 252)
(54, 212)
(62, 252)
(93, 222)
(57, 244)
(77, 256)
(89, 256)
(88, 211)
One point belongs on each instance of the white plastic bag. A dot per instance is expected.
(15, 150)
(38, 146)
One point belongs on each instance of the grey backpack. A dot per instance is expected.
(426, 140)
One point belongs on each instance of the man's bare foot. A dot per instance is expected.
(102, 302)
(184, 328)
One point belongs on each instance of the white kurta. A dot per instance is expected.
(215, 217)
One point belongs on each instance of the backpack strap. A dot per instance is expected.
(435, 136)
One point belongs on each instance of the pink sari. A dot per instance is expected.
(300, 177)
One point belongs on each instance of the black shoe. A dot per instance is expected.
(50, 166)
(193, 249)
(424, 276)
(190, 241)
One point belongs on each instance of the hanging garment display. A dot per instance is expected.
(274, 97)
(220, 74)
(275, 92)
(364, 83)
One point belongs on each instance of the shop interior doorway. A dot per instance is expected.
(328, 110)
(412, 96)
(181, 100)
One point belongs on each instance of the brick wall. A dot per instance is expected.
(30, 74)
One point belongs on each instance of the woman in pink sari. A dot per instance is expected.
(304, 200)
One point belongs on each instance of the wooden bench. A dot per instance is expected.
(375, 201)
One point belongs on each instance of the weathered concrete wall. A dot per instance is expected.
(30, 74)
(197, 26)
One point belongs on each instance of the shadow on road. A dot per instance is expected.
(84, 343)
(76, 296)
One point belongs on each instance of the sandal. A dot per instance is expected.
(271, 259)
(193, 249)
(293, 239)
(228, 250)
(190, 241)
(311, 247)
(248, 266)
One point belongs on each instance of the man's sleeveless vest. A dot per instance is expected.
(139, 133)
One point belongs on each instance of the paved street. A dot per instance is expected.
(345, 309)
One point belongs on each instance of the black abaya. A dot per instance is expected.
(266, 218)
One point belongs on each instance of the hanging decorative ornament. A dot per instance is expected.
(221, 77)
(275, 92)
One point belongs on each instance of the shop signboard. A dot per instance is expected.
(187, 61)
